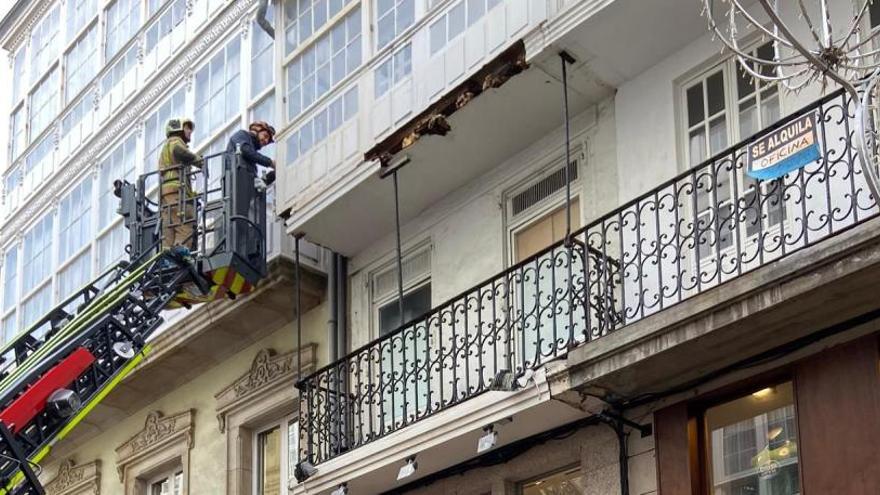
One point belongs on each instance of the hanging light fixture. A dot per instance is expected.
(408, 469)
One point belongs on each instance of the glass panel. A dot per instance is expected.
(715, 92)
(383, 78)
(416, 303)
(269, 462)
(438, 35)
(475, 10)
(752, 444)
(10, 279)
(748, 118)
(695, 104)
(744, 84)
(717, 135)
(697, 146)
(456, 20)
(569, 482)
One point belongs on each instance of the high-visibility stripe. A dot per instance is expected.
(237, 284)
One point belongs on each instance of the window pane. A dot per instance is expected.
(717, 135)
(269, 462)
(715, 92)
(752, 444)
(475, 10)
(695, 104)
(438, 35)
(10, 279)
(456, 20)
(569, 482)
(416, 303)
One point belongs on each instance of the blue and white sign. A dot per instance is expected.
(788, 148)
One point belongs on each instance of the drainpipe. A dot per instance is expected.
(341, 306)
(261, 18)
(332, 323)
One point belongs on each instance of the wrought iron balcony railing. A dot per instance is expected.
(707, 226)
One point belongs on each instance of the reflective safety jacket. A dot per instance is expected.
(175, 153)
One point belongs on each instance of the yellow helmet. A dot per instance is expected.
(177, 124)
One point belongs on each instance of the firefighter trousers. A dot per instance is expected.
(179, 221)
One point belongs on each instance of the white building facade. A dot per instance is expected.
(670, 336)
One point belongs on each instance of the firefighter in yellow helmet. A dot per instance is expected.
(177, 198)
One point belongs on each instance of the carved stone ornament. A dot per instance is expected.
(159, 433)
(269, 371)
(75, 480)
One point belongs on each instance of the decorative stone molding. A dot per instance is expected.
(75, 480)
(122, 119)
(268, 371)
(263, 394)
(245, 27)
(163, 440)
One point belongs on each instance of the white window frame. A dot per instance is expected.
(75, 21)
(283, 424)
(396, 75)
(118, 35)
(731, 114)
(333, 116)
(169, 24)
(470, 16)
(393, 14)
(170, 475)
(305, 68)
(47, 93)
(20, 67)
(45, 43)
(87, 63)
(262, 54)
(17, 132)
(78, 215)
(231, 87)
(304, 11)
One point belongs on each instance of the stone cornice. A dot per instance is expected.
(23, 30)
(145, 98)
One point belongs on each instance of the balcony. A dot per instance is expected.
(687, 236)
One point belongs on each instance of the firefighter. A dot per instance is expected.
(249, 142)
(175, 167)
(243, 159)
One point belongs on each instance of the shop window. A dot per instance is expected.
(566, 482)
(751, 444)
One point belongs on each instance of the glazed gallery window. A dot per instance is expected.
(566, 482)
(324, 64)
(122, 21)
(392, 18)
(79, 13)
(16, 140)
(217, 95)
(262, 62)
(81, 63)
(44, 104)
(392, 71)
(44, 44)
(304, 18)
(751, 444)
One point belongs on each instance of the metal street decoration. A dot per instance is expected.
(788, 148)
(841, 52)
